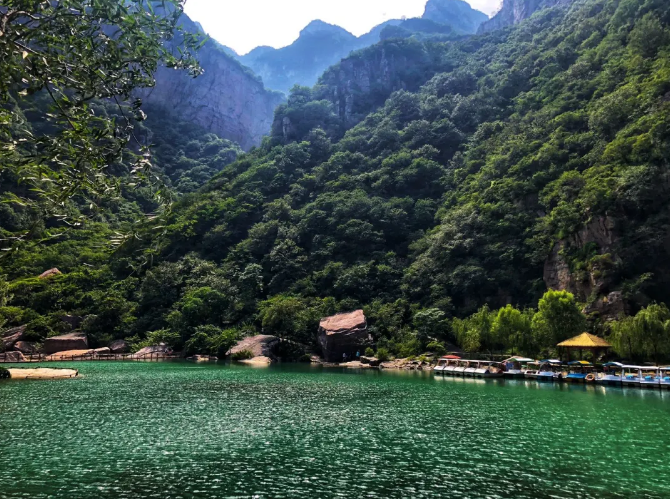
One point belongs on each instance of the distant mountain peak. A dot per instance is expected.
(456, 13)
(320, 27)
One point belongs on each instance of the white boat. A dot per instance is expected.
(471, 368)
(487, 369)
(516, 367)
(611, 375)
(550, 370)
(651, 377)
(533, 369)
(450, 367)
(446, 365)
(459, 370)
(631, 375)
(665, 377)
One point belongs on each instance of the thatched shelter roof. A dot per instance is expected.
(585, 341)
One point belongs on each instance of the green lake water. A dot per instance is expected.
(180, 430)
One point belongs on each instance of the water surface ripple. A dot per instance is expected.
(179, 430)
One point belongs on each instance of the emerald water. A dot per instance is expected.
(180, 430)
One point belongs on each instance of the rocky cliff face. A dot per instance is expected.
(455, 13)
(595, 284)
(514, 11)
(363, 82)
(228, 99)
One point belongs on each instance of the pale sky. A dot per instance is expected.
(246, 24)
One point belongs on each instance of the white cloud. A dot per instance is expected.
(245, 24)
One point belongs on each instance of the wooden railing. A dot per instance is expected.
(125, 357)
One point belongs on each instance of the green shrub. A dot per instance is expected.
(4, 373)
(243, 355)
(383, 354)
(436, 347)
(369, 352)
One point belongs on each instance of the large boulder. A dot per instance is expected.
(11, 336)
(153, 352)
(119, 346)
(262, 345)
(343, 334)
(49, 273)
(26, 347)
(12, 357)
(65, 342)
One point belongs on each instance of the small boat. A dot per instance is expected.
(631, 375)
(451, 365)
(459, 370)
(440, 367)
(651, 377)
(487, 369)
(516, 367)
(471, 368)
(533, 369)
(665, 377)
(611, 375)
(579, 371)
(550, 370)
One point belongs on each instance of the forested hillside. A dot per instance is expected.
(423, 181)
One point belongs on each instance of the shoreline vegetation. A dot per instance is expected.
(511, 196)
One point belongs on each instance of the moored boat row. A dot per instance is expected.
(470, 368)
(553, 370)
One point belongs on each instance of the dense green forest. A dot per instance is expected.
(512, 163)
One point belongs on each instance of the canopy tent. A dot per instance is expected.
(451, 357)
(585, 341)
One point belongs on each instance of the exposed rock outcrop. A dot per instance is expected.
(514, 11)
(74, 321)
(343, 334)
(228, 99)
(11, 336)
(608, 307)
(383, 68)
(49, 273)
(70, 341)
(371, 361)
(602, 233)
(598, 278)
(26, 347)
(262, 345)
(153, 352)
(119, 346)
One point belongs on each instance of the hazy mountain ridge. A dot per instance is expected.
(321, 45)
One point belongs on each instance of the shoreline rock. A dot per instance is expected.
(262, 345)
(65, 342)
(343, 334)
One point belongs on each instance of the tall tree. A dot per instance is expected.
(76, 51)
(558, 318)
